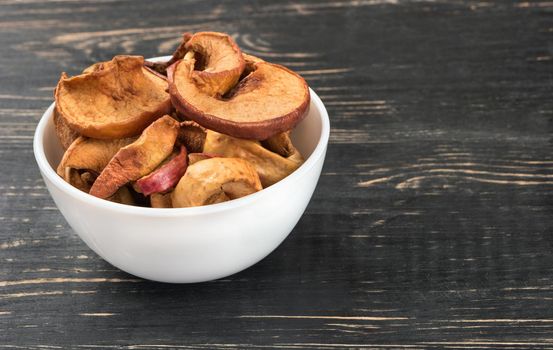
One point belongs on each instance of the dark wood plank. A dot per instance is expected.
(432, 223)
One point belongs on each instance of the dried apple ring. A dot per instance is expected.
(269, 100)
(115, 99)
(215, 180)
(180, 51)
(218, 62)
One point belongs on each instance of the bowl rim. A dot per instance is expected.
(52, 176)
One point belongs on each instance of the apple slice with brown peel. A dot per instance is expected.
(271, 166)
(139, 158)
(215, 180)
(116, 99)
(269, 100)
(164, 177)
(180, 51)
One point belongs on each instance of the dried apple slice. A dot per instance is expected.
(180, 51)
(123, 196)
(139, 158)
(98, 66)
(251, 59)
(218, 62)
(271, 99)
(192, 135)
(161, 200)
(281, 144)
(196, 157)
(164, 177)
(215, 180)
(65, 134)
(271, 166)
(116, 99)
(89, 154)
(79, 179)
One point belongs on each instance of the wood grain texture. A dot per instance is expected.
(431, 226)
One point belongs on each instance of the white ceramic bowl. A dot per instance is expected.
(187, 245)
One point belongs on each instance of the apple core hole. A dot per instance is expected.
(200, 61)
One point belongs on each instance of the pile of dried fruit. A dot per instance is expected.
(210, 125)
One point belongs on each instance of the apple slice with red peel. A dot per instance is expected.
(139, 158)
(271, 99)
(164, 177)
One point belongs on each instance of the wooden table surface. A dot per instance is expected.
(432, 223)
